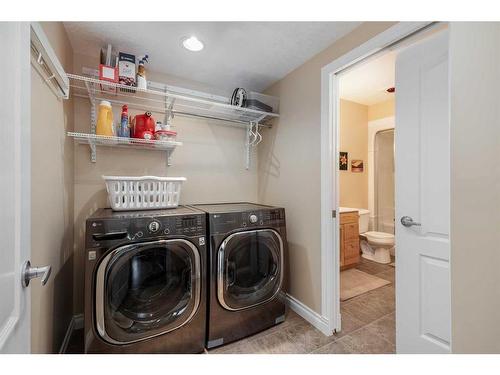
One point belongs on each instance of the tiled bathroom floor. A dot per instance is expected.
(368, 326)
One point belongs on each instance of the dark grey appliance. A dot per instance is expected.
(145, 276)
(247, 252)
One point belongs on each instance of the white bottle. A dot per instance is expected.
(142, 83)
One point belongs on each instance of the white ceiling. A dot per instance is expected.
(367, 83)
(252, 55)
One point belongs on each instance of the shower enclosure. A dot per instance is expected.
(384, 181)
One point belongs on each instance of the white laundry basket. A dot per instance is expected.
(143, 193)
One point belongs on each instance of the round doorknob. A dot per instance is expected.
(407, 221)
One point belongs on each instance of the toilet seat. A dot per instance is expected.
(379, 238)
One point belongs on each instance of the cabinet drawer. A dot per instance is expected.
(351, 252)
(351, 232)
(349, 217)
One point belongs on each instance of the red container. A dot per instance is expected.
(143, 126)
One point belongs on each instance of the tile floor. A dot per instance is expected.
(368, 326)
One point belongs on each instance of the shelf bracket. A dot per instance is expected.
(93, 152)
(169, 106)
(169, 157)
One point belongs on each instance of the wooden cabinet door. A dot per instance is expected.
(351, 252)
(349, 240)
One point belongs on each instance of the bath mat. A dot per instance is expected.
(354, 282)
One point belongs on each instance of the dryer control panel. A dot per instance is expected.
(226, 222)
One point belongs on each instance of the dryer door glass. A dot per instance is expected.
(249, 268)
(147, 289)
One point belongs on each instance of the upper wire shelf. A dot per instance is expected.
(166, 101)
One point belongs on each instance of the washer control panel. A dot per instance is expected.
(104, 232)
(253, 218)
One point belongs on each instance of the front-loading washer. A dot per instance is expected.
(246, 270)
(145, 276)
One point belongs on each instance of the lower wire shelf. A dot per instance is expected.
(94, 140)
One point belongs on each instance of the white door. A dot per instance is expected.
(423, 314)
(14, 186)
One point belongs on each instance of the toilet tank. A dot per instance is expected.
(364, 220)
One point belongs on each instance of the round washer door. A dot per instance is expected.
(147, 289)
(249, 268)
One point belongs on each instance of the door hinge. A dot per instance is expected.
(334, 213)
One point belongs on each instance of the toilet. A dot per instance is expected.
(375, 246)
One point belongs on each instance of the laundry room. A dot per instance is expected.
(160, 159)
(226, 187)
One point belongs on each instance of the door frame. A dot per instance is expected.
(330, 125)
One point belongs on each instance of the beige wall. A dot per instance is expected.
(475, 187)
(381, 110)
(52, 203)
(354, 140)
(289, 162)
(212, 159)
(289, 175)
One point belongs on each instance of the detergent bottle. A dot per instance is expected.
(105, 119)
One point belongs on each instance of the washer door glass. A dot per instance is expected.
(147, 289)
(249, 268)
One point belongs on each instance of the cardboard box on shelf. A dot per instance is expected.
(109, 74)
(126, 69)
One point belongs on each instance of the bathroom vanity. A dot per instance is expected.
(349, 239)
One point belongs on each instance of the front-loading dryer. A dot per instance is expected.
(145, 276)
(247, 262)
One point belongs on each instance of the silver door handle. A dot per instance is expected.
(407, 221)
(29, 273)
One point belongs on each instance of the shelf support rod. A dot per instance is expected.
(93, 120)
(169, 115)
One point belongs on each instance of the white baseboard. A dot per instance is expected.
(318, 321)
(76, 322)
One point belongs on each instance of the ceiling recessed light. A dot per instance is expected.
(192, 43)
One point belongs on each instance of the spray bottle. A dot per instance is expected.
(142, 83)
(124, 130)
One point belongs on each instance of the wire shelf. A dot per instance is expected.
(102, 140)
(166, 101)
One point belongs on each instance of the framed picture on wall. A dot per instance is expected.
(343, 161)
(357, 166)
